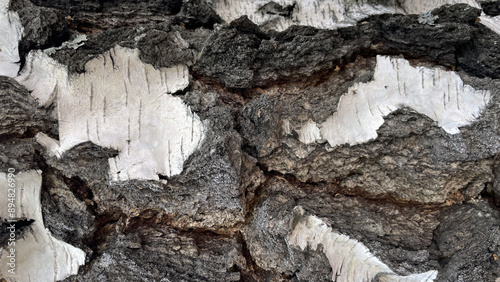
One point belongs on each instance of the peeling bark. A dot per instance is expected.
(38, 253)
(349, 259)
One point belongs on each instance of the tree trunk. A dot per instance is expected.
(242, 140)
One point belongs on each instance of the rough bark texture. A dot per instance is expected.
(419, 198)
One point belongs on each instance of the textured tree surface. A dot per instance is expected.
(241, 140)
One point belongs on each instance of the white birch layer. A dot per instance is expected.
(350, 259)
(39, 256)
(324, 14)
(439, 94)
(11, 31)
(419, 6)
(329, 14)
(492, 23)
(119, 103)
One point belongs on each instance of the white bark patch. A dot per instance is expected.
(309, 133)
(323, 14)
(74, 44)
(350, 259)
(286, 127)
(439, 94)
(44, 77)
(492, 23)
(39, 256)
(419, 6)
(328, 14)
(11, 31)
(123, 104)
